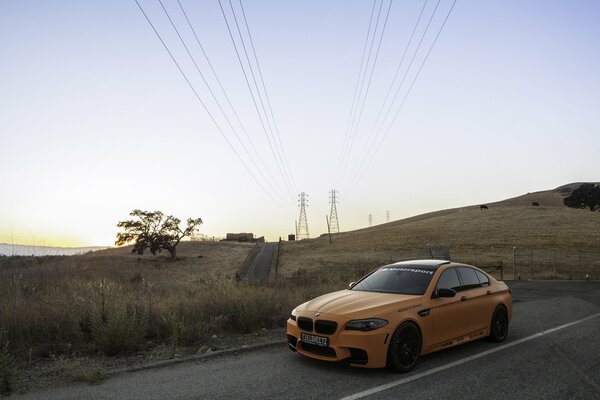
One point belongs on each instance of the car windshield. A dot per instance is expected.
(397, 279)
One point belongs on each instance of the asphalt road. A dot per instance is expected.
(559, 364)
(260, 267)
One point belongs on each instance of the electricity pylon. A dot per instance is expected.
(370, 219)
(302, 223)
(334, 224)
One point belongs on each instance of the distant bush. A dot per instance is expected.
(587, 195)
(119, 331)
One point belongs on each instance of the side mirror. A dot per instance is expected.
(351, 285)
(445, 292)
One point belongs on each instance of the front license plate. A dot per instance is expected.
(312, 339)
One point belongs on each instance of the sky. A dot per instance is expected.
(96, 119)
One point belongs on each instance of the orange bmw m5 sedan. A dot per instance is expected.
(400, 312)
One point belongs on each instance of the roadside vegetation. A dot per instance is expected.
(110, 303)
(113, 302)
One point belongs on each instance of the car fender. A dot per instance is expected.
(415, 321)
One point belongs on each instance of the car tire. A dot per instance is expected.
(499, 324)
(404, 350)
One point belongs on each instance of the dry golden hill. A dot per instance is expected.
(546, 237)
(196, 260)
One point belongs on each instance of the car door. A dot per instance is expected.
(475, 302)
(447, 313)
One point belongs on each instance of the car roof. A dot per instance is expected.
(423, 264)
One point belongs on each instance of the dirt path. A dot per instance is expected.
(261, 265)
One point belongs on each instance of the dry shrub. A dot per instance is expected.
(119, 331)
(74, 370)
(65, 305)
(7, 365)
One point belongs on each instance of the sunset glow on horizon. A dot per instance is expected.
(97, 120)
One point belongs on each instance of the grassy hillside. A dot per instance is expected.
(195, 259)
(114, 302)
(546, 237)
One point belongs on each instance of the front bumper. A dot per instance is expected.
(363, 349)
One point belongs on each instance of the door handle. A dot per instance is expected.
(464, 298)
(489, 292)
(424, 313)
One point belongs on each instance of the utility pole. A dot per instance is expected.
(333, 217)
(387, 216)
(328, 228)
(302, 222)
(370, 219)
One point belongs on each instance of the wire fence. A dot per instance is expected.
(532, 263)
(502, 262)
(525, 262)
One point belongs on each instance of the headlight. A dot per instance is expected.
(294, 315)
(366, 324)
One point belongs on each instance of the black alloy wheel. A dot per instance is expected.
(405, 348)
(499, 325)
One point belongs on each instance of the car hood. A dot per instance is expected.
(355, 303)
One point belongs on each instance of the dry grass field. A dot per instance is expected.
(551, 238)
(113, 302)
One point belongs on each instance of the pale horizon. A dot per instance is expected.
(96, 119)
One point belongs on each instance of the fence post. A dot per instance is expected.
(514, 263)
(579, 264)
(555, 264)
(531, 261)
(501, 271)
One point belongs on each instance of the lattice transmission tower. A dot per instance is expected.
(334, 224)
(302, 232)
(370, 219)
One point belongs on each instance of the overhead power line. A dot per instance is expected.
(399, 108)
(272, 147)
(362, 95)
(371, 140)
(193, 59)
(368, 86)
(350, 117)
(233, 110)
(278, 135)
(212, 118)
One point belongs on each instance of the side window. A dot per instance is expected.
(485, 281)
(449, 280)
(469, 278)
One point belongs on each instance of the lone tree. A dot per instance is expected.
(587, 195)
(154, 231)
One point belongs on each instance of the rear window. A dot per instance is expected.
(400, 280)
(469, 278)
(485, 281)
